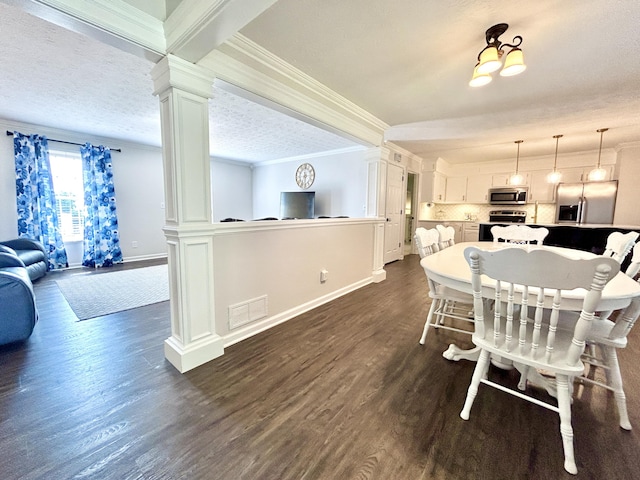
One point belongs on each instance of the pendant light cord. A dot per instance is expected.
(555, 160)
(602, 130)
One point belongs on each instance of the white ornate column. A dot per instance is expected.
(184, 90)
(376, 159)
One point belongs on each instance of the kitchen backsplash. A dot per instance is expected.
(480, 212)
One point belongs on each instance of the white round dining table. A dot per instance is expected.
(448, 267)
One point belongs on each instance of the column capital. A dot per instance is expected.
(377, 154)
(174, 72)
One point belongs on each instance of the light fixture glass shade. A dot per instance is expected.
(479, 79)
(489, 61)
(516, 179)
(554, 177)
(513, 64)
(597, 174)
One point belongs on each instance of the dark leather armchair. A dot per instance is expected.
(31, 252)
(18, 315)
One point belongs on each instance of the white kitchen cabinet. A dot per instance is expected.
(433, 187)
(502, 179)
(458, 226)
(456, 190)
(478, 188)
(581, 174)
(540, 190)
(470, 232)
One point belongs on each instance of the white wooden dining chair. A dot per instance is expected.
(426, 241)
(447, 236)
(605, 339)
(445, 302)
(522, 234)
(620, 244)
(608, 336)
(527, 284)
(634, 267)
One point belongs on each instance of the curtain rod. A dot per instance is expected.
(70, 143)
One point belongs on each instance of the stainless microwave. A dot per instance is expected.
(508, 195)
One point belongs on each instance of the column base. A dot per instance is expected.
(196, 354)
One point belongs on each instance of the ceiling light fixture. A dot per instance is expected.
(489, 58)
(555, 175)
(516, 178)
(598, 173)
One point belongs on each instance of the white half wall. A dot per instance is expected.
(280, 263)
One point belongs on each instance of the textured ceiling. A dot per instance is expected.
(58, 78)
(409, 62)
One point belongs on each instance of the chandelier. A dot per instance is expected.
(490, 57)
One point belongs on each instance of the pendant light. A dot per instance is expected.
(555, 175)
(598, 174)
(516, 178)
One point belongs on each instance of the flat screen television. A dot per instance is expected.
(297, 204)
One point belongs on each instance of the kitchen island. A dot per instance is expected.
(587, 237)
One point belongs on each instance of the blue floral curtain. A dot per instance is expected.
(101, 238)
(36, 202)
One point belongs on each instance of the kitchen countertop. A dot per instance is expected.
(583, 225)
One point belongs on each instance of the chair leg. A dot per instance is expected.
(479, 373)
(566, 431)
(425, 330)
(614, 379)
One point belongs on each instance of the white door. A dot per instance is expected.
(394, 214)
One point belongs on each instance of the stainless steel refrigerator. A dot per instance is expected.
(589, 202)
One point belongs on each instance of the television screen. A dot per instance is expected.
(297, 204)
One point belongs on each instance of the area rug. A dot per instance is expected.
(93, 295)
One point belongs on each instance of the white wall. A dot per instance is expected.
(138, 180)
(283, 260)
(232, 190)
(340, 185)
(628, 170)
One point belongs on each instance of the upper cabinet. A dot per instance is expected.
(456, 190)
(502, 179)
(439, 188)
(540, 190)
(581, 174)
(433, 187)
(478, 188)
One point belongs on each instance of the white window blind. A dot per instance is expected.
(66, 173)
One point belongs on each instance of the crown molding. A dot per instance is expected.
(310, 156)
(102, 19)
(245, 64)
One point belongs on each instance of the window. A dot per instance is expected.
(66, 173)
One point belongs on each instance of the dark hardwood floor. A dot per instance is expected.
(342, 392)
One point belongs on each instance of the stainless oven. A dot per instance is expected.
(507, 216)
(508, 195)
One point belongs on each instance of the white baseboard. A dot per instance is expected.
(140, 258)
(267, 323)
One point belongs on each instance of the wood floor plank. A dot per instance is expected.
(341, 392)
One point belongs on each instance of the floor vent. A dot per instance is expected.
(247, 312)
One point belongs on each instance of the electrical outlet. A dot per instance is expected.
(323, 275)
